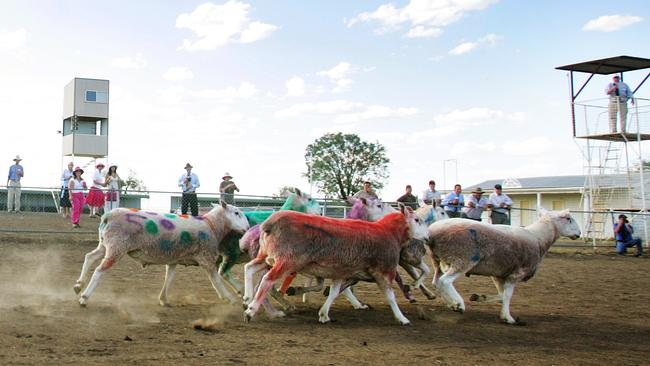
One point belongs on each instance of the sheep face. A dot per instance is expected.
(566, 225)
(417, 226)
(235, 216)
(378, 209)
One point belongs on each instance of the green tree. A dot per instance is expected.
(337, 164)
(132, 183)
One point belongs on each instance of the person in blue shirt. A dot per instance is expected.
(189, 182)
(624, 239)
(454, 202)
(16, 173)
(619, 93)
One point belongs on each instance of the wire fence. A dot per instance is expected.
(44, 200)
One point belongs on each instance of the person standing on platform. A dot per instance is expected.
(64, 196)
(189, 182)
(430, 196)
(16, 173)
(619, 93)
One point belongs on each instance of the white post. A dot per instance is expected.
(641, 176)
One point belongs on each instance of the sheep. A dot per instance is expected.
(152, 238)
(340, 249)
(412, 256)
(506, 254)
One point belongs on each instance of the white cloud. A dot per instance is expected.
(423, 32)
(427, 14)
(217, 25)
(181, 95)
(459, 121)
(466, 47)
(339, 75)
(531, 146)
(12, 40)
(611, 23)
(295, 87)
(178, 73)
(375, 112)
(128, 62)
(345, 111)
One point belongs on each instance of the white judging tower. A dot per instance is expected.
(85, 118)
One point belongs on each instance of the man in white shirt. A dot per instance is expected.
(189, 182)
(476, 203)
(500, 204)
(430, 196)
(619, 93)
(366, 192)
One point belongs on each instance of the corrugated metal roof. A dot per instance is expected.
(563, 181)
(609, 65)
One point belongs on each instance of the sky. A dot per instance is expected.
(456, 90)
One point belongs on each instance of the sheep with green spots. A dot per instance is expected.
(154, 238)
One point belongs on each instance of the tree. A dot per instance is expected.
(338, 164)
(132, 182)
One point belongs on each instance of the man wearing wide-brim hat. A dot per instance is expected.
(16, 172)
(228, 188)
(475, 205)
(189, 182)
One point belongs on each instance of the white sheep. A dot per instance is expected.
(153, 238)
(507, 254)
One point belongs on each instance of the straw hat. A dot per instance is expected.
(17, 158)
(100, 164)
(478, 190)
(188, 166)
(226, 175)
(78, 169)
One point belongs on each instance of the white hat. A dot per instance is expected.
(226, 174)
(17, 158)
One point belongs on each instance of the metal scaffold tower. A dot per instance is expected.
(610, 132)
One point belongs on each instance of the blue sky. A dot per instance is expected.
(257, 81)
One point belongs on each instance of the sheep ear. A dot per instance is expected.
(298, 192)
(402, 208)
(223, 204)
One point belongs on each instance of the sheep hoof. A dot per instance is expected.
(324, 319)
(83, 301)
(77, 288)
(291, 291)
(406, 324)
(247, 316)
(165, 304)
(277, 314)
(362, 307)
(474, 297)
(457, 308)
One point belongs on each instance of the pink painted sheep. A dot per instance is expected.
(339, 249)
(153, 238)
(507, 254)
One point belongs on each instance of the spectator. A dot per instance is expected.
(430, 196)
(408, 198)
(95, 199)
(189, 182)
(64, 196)
(16, 172)
(619, 93)
(366, 192)
(76, 187)
(228, 188)
(624, 239)
(112, 184)
(500, 204)
(476, 204)
(454, 202)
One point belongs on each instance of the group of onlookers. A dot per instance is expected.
(455, 205)
(189, 182)
(103, 193)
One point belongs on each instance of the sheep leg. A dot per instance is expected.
(419, 278)
(446, 289)
(384, 283)
(437, 273)
(323, 313)
(224, 271)
(308, 283)
(404, 289)
(170, 271)
(508, 289)
(90, 258)
(104, 266)
(358, 305)
(217, 283)
(252, 267)
(278, 270)
(275, 294)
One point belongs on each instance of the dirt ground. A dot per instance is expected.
(580, 309)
